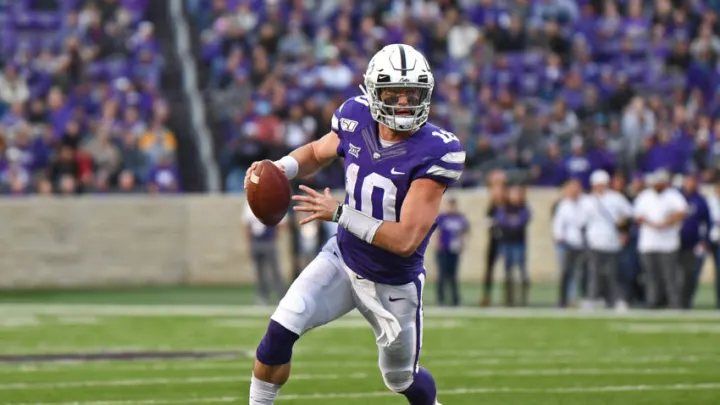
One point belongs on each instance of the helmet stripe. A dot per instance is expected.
(403, 66)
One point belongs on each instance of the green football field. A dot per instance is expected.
(195, 346)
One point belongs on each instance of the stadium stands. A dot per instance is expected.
(80, 102)
(543, 89)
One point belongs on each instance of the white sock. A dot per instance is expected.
(262, 392)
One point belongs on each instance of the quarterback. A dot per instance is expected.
(397, 167)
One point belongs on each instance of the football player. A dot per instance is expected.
(397, 167)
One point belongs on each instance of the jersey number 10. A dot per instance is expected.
(369, 183)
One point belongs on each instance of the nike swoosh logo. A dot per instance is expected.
(393, 171)
(395, 299)
(359, 278)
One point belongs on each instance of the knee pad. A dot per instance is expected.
(398, 381)
(276, 346)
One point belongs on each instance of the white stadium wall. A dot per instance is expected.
(126, 241)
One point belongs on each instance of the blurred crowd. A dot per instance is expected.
(545, 90)
(80, 109)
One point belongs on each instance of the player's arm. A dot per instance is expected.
(419, 210)
(315, 155)
(306, 159)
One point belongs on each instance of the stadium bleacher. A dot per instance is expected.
(80, 102)
(518, 81)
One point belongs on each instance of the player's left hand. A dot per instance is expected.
(322, 206)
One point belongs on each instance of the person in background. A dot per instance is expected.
(567, 228)
(694, 238)
(559, 246)
(498, 189)
(264, 253)
(714, 205)
(630, 266)
(127, 183)
(512, 219)
(306, 241)
(660, 210)
(606, 211)
(452, 227)
(628, 261)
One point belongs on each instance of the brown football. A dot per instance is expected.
(268, 193)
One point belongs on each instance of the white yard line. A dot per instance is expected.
(350, 322)
(331, 376)
(441, 393)
(264, 311)
(166, 380)
(577, 371)
(666, 327)
(202, 400)
(511, 390)
(456, 359)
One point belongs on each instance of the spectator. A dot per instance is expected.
(264, 253)
(461, 38)
(638, 123)
(298, 128)
(606, 211)
(694, 238)
(68, 185)
(497, 187)
(577, 164)
(714, 207)
(628, 259)
(13, 87)
(567, 228)
(64, 166)
(563, 123)
(306, 240)
(660, 210)
(105, 155)
(127, 184)
(164, 177)
(706, 41)
(158, 142)
(513, 219)
(335, 75)
(550, 170)
(452, 228)
(44, 187)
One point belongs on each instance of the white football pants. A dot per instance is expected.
(323, 293)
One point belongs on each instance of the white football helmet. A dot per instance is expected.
(400, 69)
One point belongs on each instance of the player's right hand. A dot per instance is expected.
(252, 168)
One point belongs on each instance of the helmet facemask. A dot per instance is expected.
(386, 108)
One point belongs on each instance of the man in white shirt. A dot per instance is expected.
(714, 205)
(567, 227)
(605, 210)
(660, 210)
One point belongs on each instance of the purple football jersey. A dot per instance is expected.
(378, 178)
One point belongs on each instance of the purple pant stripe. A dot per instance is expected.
(418, 325)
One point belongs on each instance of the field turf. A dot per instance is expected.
(496, 356)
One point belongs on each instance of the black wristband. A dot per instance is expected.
(338, 213)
